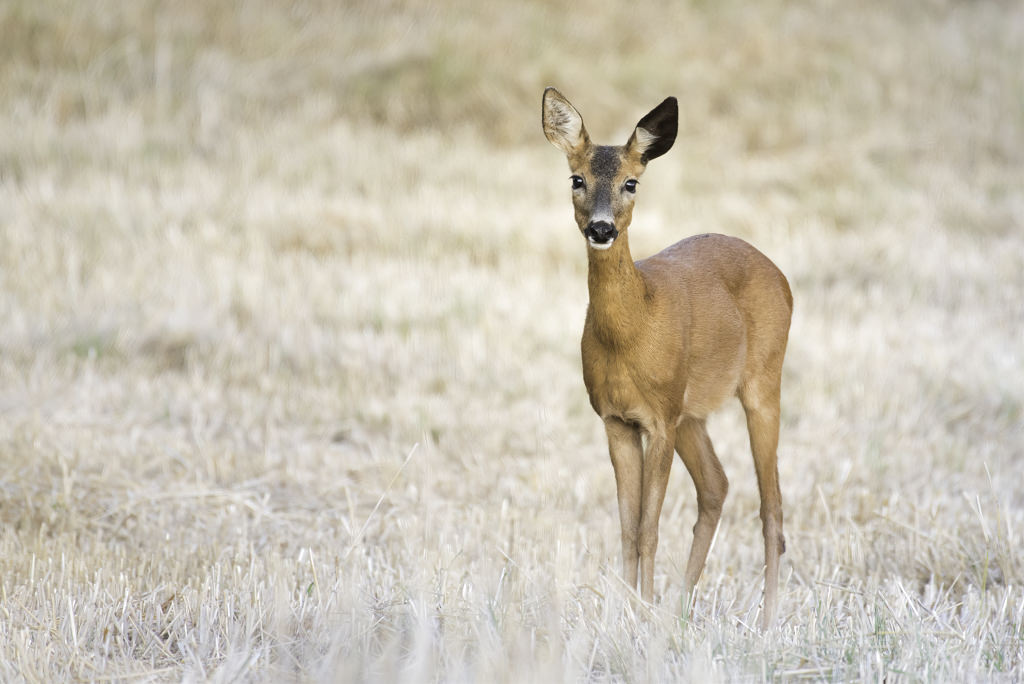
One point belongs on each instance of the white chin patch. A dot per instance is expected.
(600, 245)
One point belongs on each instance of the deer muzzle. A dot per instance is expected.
(600, 234)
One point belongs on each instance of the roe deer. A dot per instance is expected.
(667, 340)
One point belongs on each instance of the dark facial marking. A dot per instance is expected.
(604, 165)
(605, 162)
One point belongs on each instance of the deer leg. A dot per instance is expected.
(694, 447)
(763, 425)
(626, 450)
(657, 466)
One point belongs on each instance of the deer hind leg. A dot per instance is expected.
(626, 450)
(762, 409)
(695, 449)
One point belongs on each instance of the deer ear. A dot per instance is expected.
(563, 125)
(656, 132)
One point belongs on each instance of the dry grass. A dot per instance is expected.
(290, 298)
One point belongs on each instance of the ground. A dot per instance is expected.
(290, 305)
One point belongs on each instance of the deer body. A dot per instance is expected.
(667, 340)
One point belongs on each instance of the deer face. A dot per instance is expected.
(604, 178)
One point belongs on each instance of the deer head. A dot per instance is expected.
(605, 177)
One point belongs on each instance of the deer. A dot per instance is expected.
(666, 341)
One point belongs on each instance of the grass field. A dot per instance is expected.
(290, 305)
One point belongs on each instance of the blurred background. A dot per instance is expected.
(255, 254)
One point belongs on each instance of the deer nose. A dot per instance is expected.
(601, 231)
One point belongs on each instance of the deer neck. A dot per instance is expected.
(618, 294)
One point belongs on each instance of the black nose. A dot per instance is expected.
(601, 231)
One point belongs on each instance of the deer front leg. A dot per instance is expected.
(656, 469)
(627, 455)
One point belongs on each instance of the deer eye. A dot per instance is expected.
(577, 182)
(630, 185)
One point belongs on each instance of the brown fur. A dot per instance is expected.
(667, 341)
